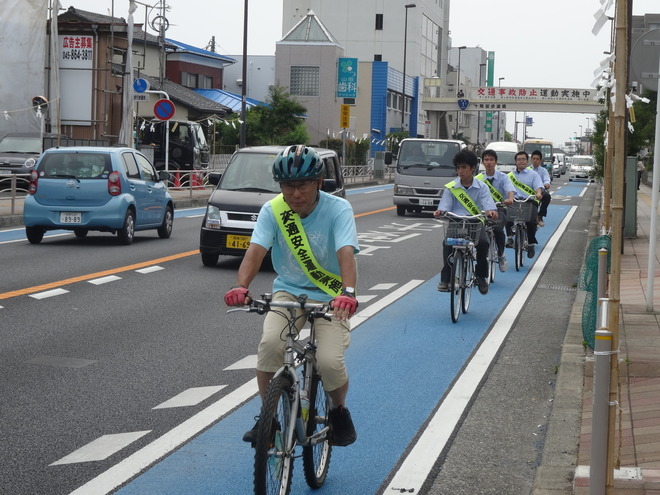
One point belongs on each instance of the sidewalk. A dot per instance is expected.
(637, 437)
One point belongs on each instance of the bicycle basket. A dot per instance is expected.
(464, 229)
(525, 212)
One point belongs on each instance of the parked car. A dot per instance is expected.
(19, 152)
(97, 188)
(581, 168)
(245, 186)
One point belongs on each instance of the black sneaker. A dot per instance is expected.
(482, 283)
(342, 431)
(251, 435)
(509, 242)
(443, 286)
(530, 251)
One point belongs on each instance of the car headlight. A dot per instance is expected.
(212, 219)
(403, 190)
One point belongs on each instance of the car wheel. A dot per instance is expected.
(80, 233)
(34, 234)
(209, 259)
(127, 232)
(165, 230)
(401, 210)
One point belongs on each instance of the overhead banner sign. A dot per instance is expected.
(347, 69)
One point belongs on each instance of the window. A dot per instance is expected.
(378, 57)
(379, 22)
(304, 81)
(206, 82)
(148, 171)
(130, 166)
(189, 80)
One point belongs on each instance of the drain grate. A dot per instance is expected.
(565, 288)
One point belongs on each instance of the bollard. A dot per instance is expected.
(601, 407)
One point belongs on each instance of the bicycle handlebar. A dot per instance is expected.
(262, 306)
(463, 217)
(531, 196)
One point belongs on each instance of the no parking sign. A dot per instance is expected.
(164, 109)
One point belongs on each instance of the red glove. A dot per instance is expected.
(237, 296)
(347, 303)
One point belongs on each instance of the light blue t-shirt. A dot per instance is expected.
(329, 227)
(478, 191)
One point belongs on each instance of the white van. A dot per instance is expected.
(423, 167)
(506, 154)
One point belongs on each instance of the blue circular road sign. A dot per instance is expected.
(164, 109)
(140, 85)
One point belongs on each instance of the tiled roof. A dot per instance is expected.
(183, 47)
(189, 97)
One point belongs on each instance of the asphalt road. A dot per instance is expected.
(142, 324)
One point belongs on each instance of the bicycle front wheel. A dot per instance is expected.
(468, 282)
(316, 457)
(455, 285)
(493, 258)
(518, 248)
(523, 245)
(273, 462)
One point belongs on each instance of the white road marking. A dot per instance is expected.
(248, 362)
(150, 269)
(382, 287)
(101, 448)
(194, 216)
(49, 293)
(365, 298)
(126, 469)
(418, 463)
(190, 397)
(104, 280)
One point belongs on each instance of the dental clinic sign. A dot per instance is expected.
(76, 59)
(347, 77)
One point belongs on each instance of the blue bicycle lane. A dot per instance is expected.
(401, 363)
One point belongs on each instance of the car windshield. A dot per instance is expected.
(16, 144)
(250, 172)
(506, 158)
(75, 165)
(427, 157)
(583, 160)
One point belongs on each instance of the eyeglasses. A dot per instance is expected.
(303, 186)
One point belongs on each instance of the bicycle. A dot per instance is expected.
(521, 212)
(462, 234)
(493, 255)
(294, 411)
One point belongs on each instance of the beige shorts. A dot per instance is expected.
(332, 340)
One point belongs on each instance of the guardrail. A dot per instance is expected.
(13, 188)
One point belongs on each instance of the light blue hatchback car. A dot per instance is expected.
(104, 189)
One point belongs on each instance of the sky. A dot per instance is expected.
(536, 42)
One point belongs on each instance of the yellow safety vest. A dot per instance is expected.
(464, 198)
(292, 229)
(493, 192)
(523, 187)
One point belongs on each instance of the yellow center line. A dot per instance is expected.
(105, 273)
(112, 271)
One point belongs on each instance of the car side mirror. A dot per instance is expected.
(164, 176)
(214, 178)
(388, 158)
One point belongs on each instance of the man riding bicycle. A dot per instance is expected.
(537, 166)
(455, 201)
(502, 191)
(312, 237)
(527, 183)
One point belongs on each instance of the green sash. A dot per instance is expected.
(493, 192)
(294, 234)
(463, 198)
(523, 187)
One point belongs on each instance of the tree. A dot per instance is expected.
(278, 122)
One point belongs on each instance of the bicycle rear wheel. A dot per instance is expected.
(455, 285)
(273, 464)
(316, 458)
(468, 282)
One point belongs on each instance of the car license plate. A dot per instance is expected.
(426, 202)
(70, 217)
(238, 241)
(5, 172)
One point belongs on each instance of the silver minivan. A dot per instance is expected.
(422, 168)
